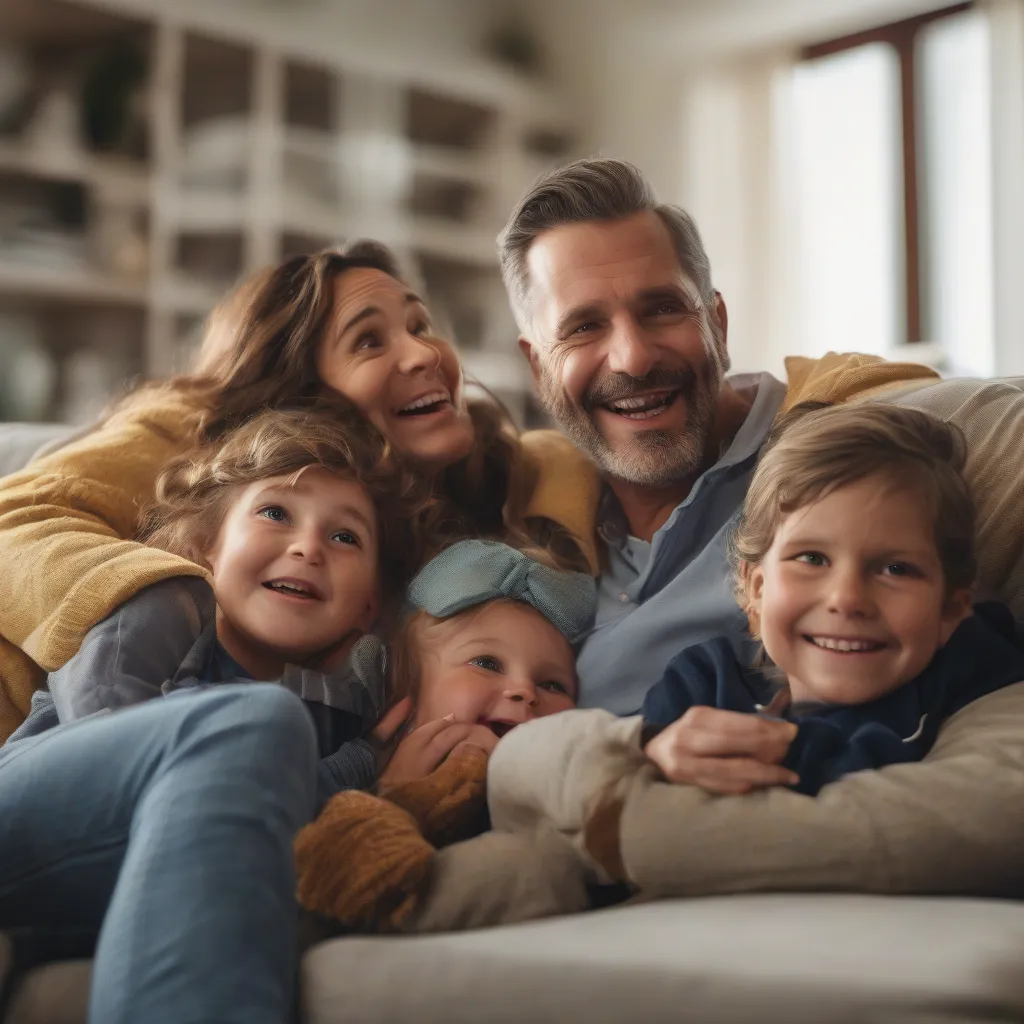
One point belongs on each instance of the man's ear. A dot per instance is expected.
(722, 316)
(958, 606)
(529, 350)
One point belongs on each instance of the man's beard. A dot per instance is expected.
(653, 458)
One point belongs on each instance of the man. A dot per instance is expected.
(626, 339)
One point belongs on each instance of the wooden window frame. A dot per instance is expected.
(902, 36)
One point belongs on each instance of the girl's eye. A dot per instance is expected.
(811, 558)
(487, 663)
(555, 686)
(274, 513)
(346, 537)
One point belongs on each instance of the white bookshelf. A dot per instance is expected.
(261, 140)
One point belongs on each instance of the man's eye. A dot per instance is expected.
(346, 537)
(555, 686)
(487, 663)
(273, 512)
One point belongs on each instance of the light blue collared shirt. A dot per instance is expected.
(656, 599)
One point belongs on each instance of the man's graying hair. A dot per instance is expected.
(589, 190)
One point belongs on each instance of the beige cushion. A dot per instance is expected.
(991, 415)
(812, 959)
(793, 958)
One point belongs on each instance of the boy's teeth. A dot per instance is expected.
(844, 645)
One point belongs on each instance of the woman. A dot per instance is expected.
(333, 321)
(191, 893)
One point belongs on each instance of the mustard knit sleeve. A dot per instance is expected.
(567, 488)
(64, 524)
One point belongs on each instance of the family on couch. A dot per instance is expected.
(163, 833)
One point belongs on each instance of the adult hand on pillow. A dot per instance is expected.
(724, 752)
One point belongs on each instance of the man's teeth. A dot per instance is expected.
(422, 403)
(641, 407)
(831, 644)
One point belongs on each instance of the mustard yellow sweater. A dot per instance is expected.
(65, 519)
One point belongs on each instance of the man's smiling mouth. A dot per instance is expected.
(643, 407)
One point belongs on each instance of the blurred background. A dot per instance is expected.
(856, 166)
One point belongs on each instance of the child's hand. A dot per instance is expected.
(426, 747)
(724, 752)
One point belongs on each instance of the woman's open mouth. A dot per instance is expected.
(427, 405)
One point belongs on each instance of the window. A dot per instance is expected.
(894, 188)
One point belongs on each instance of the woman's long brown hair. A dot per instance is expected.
(259, 351)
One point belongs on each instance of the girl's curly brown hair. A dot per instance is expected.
(194, 491)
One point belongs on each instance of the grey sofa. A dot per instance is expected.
(794, 958)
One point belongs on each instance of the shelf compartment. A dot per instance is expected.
(436, 120)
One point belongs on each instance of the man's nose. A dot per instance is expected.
(629, 351)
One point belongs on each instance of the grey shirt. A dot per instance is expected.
(656, 599)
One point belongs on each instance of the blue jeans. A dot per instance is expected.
(166, 831)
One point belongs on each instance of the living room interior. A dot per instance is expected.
(855, 167)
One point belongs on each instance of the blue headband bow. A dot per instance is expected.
(472, 572)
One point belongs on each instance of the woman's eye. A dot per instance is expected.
(555, 686)
(346, 537)
(487, 663)
(367, 340)
(274, 513)
(811, 558)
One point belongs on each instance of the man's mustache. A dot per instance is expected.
(614, 387)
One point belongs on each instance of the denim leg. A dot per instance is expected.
(168, 828)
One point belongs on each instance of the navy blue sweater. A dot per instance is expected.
(984, 654)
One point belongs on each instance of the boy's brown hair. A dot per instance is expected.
(194, 491)
(815, 449)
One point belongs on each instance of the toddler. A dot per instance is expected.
(487, 639)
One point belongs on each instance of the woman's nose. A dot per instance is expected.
(417, 355)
